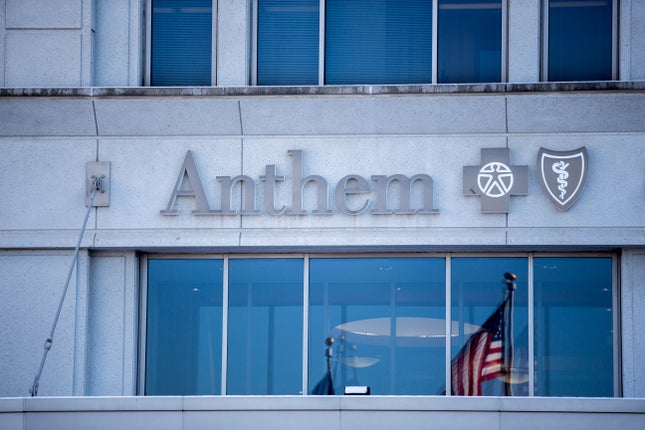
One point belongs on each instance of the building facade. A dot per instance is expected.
(215, 211)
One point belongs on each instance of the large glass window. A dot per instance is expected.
(265, 326)
(478, 291)
(574, 327)
(523, 325)
(184, 327)
(181, 42)
(580, 40)
(386, 316)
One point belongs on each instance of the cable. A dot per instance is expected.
(50, 340)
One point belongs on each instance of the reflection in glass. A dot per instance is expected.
(265, 326)
(184, 327)
(580, 40)
(469, 41)
(573, 327)
(478, 288)
(386, 316)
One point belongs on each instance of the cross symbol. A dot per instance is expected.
(495, 180)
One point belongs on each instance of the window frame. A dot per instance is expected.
(147, 81)
(544, 72)
(448, 256)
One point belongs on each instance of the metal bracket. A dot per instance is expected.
(97, 176)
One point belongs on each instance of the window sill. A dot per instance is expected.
(328, 90)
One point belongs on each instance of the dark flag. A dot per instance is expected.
(481, 358)
(325, 387)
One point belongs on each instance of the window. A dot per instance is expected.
(574, 316)
(181, 42)
(470, 41)
(265, 320)
(379, 41)
(476, 292)
(184, 327)
(386, 316)
(581, 40)
(288, 42)
(402, 325)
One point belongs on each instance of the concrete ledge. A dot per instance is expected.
(333, 412)
(368, 90)
(330, 403)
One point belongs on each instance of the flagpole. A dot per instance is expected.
(508, 357)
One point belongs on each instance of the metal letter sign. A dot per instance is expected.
(563, 175)
(495, 180)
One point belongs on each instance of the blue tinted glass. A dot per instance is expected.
(470, 41)
(378, 41)
(181, 42)
(184, 327)
(580, 40)
(265, 326)
(478, 288)
(288, 42)
(360, 302)
(573, 327)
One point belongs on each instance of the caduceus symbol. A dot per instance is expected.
(560, 168)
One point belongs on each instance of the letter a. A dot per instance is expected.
(195, 189)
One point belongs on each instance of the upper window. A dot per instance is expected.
(288, 42)
(470, 41)
(378, 41)
(581, 40)
(181, 42)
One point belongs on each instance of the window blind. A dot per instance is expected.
(378, 41)
(181, 42)
(288, 42)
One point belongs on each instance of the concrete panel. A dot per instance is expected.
(612, 196)
(43, 185)
(343, 237)
(43, 58)
(140, 420)
(576, 113)
(633, 322)
(44, 14)
(524, 41)
(144, 172)
(112, 327)
(413, 420)
(118, 41)
(544, 420)
(372, 115)
(46, 117)
(3, 32)
(631, 50)
(31, 285)
(233, 45)
(167, 117)
(269, 420)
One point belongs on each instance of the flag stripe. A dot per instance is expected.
(481, 358)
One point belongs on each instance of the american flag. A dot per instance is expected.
(481, 358)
